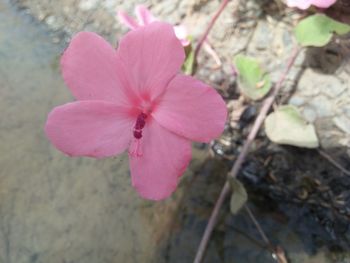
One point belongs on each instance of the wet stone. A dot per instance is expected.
(248, 115)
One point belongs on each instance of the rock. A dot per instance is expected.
(323, 106)
(262, 36)
(87, 5)
(309, 114)
(297, 101)
(343, 123)
(333, 88)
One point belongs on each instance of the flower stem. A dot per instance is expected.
(334, 162)
(237, 165)
(210, 26)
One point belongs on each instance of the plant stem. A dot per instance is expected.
(237, 165)
(210, 26)
(257, 225)
(334, 162)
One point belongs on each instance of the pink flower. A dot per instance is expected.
(135, 98)
(305, 4)
(144, 17)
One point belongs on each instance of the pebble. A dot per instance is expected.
(297, 101)
(261, 38)
(323, 106)
(87, 5)
(309, 114)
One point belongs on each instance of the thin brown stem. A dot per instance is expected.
(258, 227)
(277, 252)
(210, 26)
(334, 162)
(237, 165)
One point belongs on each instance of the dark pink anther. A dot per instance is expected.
(137, 134)
(139, 125)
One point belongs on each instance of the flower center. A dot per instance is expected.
(135, 147)
(139, 125)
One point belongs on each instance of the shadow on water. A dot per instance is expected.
(300, 200)
(59, 209)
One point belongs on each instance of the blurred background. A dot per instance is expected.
(56, 209)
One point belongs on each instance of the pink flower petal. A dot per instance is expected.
(304, 4)
(153, 55)
(144, 16)
(323, 3)
(181, 34)
(191, 109)
(90, 128)
(92, 72)
(127, 20)
(165, 157)
(301, 4)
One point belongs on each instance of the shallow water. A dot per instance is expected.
(54, 208)
(59, 209)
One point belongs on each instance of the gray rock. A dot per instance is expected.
(308, 83)
(297, 101)
(309, 114)
(333, 88)
(87, 5)
(346, 111)
(343, 123)
(262, 36)
(323, 106)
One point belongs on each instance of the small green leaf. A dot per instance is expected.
(239, 195)
(189, 66)
(287, 126)
(253, 81)
(317, 30)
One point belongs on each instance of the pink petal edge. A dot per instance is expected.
(91, 70)
(127, 20)
(305, 4)
(144, 16)
(90, 128)
(182, 35)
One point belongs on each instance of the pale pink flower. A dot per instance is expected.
(305, 4)
(145, 17)
(135, 98)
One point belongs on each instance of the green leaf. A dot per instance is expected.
(239, 195)
(317, 30)
(287, 126)
(253, 81)
(190, 64)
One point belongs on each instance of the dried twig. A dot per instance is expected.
(237, 165)
(334, 162)
(257, 225)
(277, 252)
(211, 24)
